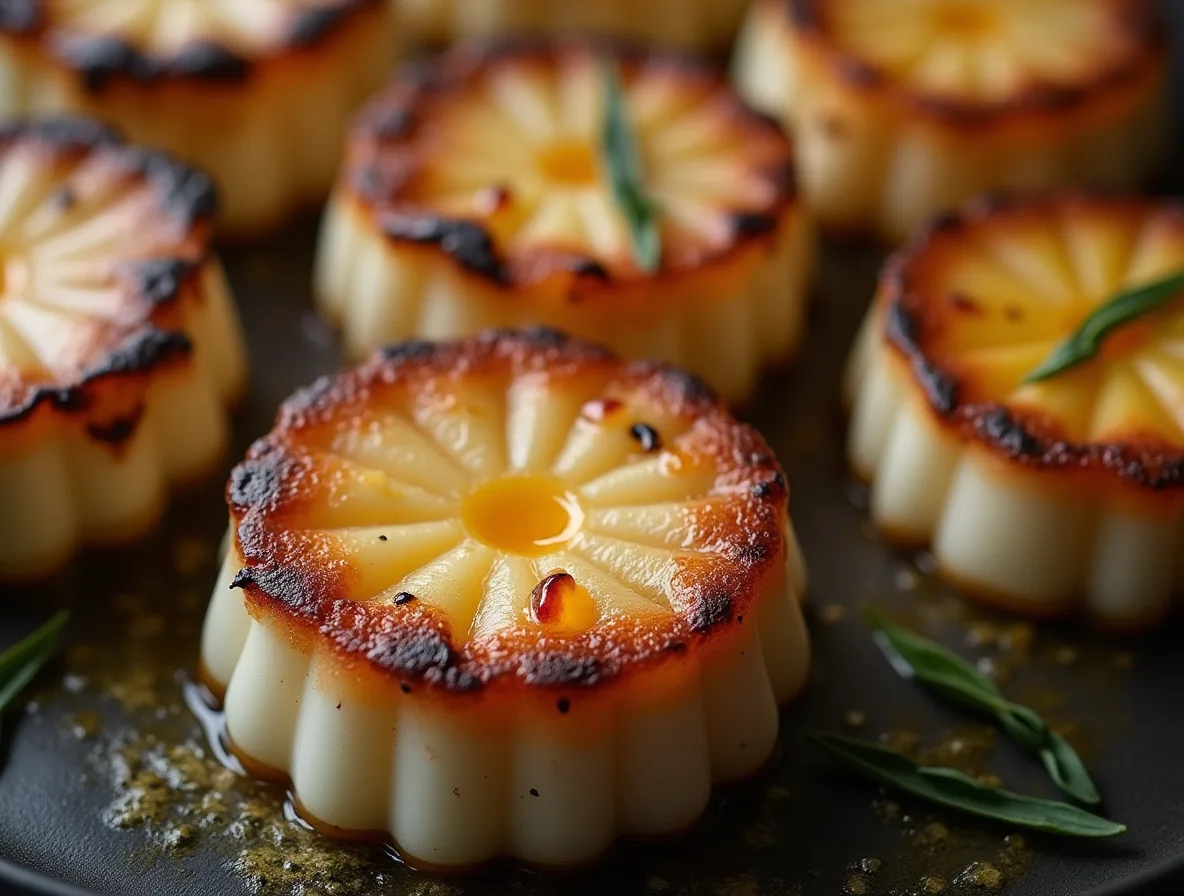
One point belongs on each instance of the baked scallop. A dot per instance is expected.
(702, 24)
(1042, 493)
(903, 109)
(506, 596)
(476, 193)
(257, 93)
(119, 345)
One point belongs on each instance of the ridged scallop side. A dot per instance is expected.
(548, 773)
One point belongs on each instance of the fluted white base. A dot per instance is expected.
(1035, 542)
(458, 780)
(868, 164)
(272, 143)
(725, 327)
(60, 487)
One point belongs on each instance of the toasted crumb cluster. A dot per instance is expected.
(1041, 493)
(256, 93)
(497, 540)
(903, 110)
(119, 346)
(476, 193)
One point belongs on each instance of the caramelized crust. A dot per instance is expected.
(157, 217)
(1134, 57)
(304, 584)
(393, 169)
(102, 57)
(931, 328)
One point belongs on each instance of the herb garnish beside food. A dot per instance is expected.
(948, 675)
(622, 163)
(949, 787)
(1086, 341)
(21, 662)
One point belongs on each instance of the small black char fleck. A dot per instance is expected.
(533, 792)
(207, 61)
(404, 687)
(563, 705)
(159, 280)
(646, 436)
(748, 224)
(382, 538)
(412, 350)
(242, 578)
(403, 597)
(587, 267)
(314, 23)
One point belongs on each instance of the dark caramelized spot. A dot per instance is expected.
(113, 432)
(646, 436)
(466, 242)
(710, 611)
(160, 279)
(382, 538)
(563, 705)
(965, 303)
(403, 597)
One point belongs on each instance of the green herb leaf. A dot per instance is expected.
(623, 165)
(1125, 307)
(948, 675)
(949, 787)
(21, 662)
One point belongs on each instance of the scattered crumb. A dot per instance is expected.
(981, 875)
(833, 613)
(854, 718)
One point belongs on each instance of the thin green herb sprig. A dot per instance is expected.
(948, 675)
(21, 662)
(952, 789)
(1085, 343)
(622, 163)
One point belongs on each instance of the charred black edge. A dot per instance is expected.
(185, 193)
(1141, 19)
(142, 352)
(394, 115)
(99, 60)
(257, 484)
(465, 242)
(995, 425)
(159, 281)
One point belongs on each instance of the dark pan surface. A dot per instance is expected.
(109, 786)
(71, 810)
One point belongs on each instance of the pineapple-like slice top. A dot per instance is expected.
(983, 297)
(494, 155)
(516, 510)
(188, 39)
(959, 56)
(99, 244)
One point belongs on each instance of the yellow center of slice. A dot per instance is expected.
(568, 162)
(527, 515)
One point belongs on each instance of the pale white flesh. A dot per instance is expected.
(1008, 533)
(550, 775)
(867, 164)
(61, 486)
(272, 142)
(725, 319)
(537, 785)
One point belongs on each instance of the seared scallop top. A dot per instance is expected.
(145, 40)
(985, 296)
(98, 243)
(514, 510)
(975, 60)
(493, 156)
